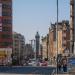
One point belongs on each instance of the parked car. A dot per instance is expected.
(32, 62)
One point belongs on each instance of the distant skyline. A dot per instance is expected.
(30, 16)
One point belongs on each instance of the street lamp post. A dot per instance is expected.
(47, 45)
(19, 53)
(57, 36)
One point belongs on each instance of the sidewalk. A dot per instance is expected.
(62, 74)
(67, 73)
(52, 65)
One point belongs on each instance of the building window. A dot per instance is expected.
(64, 45)
(6, 36)
(6, 29)
(7, 21)
(15, 36)
(6, 6)
(6, 0)
(64, 38)
(15, 44)
(6, 13)
(4, 44)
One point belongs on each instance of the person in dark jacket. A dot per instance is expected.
(64, 64)
(59, 66)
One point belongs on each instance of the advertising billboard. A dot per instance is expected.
(5, 54)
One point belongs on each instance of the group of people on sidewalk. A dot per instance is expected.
(62, 65)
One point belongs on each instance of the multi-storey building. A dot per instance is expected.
(72, 25)
(41, 51)
(51, 43)
(29, 52)
(63, 37)
(18, 48)
(66, 37)
(5, 29)
(44, 47)
(63, 43)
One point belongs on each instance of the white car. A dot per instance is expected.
(32, 63)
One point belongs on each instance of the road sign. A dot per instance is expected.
(71, 61)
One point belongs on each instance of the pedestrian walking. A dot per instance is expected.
(64, 64)
(59, 67)
(45, 62)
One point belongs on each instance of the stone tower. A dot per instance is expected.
(37, 37)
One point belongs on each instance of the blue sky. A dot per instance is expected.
(30, 16)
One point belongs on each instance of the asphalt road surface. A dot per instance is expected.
(26, 70)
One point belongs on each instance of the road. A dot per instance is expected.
(15, 74)
(27, 70)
